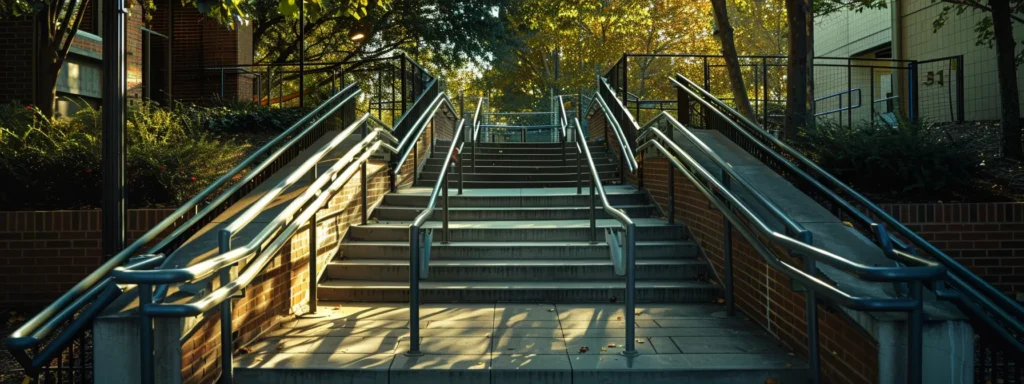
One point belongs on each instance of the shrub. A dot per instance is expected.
(55, 164)
(237, 117)
(906, 162)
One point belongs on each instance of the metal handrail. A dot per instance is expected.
(475, 133)
(1010, 312)
(629, 263)
(792, 227)
(618, 127)
(296, 214)
(841, 107)
(929, 271)
(29, 334)
(624, 147)
(418, 265)
(420, 126)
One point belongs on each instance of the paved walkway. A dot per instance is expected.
(512, 343)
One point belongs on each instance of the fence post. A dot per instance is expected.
(912, 86)
(146, 335)
(960, 88)
(915, 325)
(671, 191)
(226, 349)
(682, 106)
(414, 291)
(767, 96)
(362, 179)
(730, 307)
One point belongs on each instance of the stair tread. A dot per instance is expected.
(516, 285)
(514, 262)
(517, 224)
(523, 192)
(506, 244)
(545, 208)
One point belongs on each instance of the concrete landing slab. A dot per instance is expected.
(519, 343)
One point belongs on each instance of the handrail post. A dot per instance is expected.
(813, 355)
(362, 180)
(579, 171)
(414, 291)
(313, 254)
(461, 178)
(146, 335)
(226, 348)
(915, 325)
(444, 212)
(671, 191)
(730, 306)
(593, 214)
(630, 291)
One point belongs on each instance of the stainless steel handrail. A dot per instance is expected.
(418, 265)
(1011, 312)
(628, 226)
(619, 133)
(929, 271)
(792, 227)
(474, 136)
(30, 333)
(420, 126)
(297, 213)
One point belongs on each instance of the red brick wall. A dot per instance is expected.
(200, 42)
(405, 173)
(44, 253)
(16, 60)
(988, 238)
(282, 288)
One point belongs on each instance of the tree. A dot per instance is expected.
(56, 23)
(796, 70)
(732, 62)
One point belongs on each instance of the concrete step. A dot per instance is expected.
(387, 213)
(454, 183)
(496, 250)
(590, 291)
(534, 169)
(616, 198)
(509, 177)
(520, 162)
(515, 269)
(513, 231)
(519, 156)
(570, 149)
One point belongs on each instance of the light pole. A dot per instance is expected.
(113, 160)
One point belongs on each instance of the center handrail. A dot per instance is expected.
(624, 146)
(475, 131)
(406, 146)
(629, 263)
(418, 265)
(980, 292)
(93, 286)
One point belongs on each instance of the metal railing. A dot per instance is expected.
(414, 123)
(420, 266)
(998, 315)
(839, 96)
(753, 228)
(623, 266)
(626, 159)
(257, 253)
(478, 119)
(55, 329)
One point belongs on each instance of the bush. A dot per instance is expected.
(903, 163)
(237, 117)
(55, 164)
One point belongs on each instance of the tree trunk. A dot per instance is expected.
(796, 70)
(1007, 67)
(45, 81)
(732, 62)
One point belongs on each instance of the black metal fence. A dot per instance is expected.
(846, 90)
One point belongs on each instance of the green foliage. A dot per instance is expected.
(234, 117)
(55, 164)
(908, 162)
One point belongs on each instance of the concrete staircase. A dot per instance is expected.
(518, 165)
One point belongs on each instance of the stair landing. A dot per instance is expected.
(517, 343)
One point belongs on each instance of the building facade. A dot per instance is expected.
(949, 68)
(170, 54)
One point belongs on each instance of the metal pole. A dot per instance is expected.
(461, 178)
(114, 123)
(146, 335)
(849, 92)
(767, 97)
(302, 52)
(814, 358)
(915, 325)
(625, 81)
(414, 291)
(593, 214)
(730, 307)
(912, 105)
(222, 82)
(960, 88)
(630, 291)
(579, 171)
(226, 361)
(871, 98)
(671, 192)
(362, 180)
(444, 212)
(313, 267)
